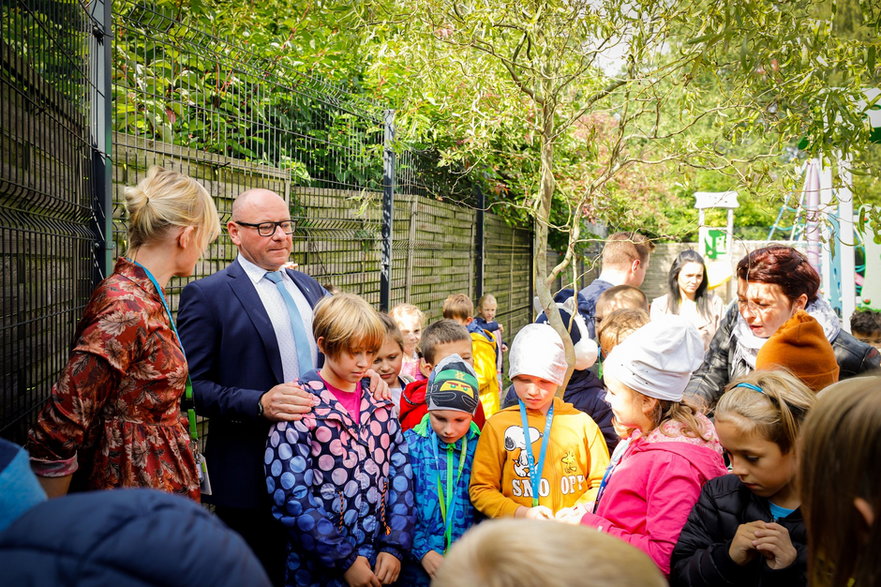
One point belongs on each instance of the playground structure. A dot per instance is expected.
(824, 218)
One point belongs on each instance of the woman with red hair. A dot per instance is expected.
(774, 283)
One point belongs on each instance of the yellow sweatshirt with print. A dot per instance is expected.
(577, 458)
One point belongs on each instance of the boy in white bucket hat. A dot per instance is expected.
(541, 457)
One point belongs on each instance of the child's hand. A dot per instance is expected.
(741, 550)
(431, 562)
(378, 388)
(501, 328)
(504, 348)
(539, 512)
(360, 574)
(574, 514)
(387, 568)
(773, 541)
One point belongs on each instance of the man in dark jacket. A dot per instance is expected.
(625, 260)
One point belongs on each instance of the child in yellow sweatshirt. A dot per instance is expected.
(541, 458)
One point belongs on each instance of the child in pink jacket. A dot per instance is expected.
(647, 494)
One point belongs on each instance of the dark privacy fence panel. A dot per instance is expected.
(182, 98)
(48, 257)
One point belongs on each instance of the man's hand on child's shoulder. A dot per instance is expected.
(378, 388)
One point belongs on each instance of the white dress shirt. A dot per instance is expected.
(278, 315)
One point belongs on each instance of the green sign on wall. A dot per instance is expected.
(714, 242)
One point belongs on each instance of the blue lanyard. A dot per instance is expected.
(447, 502)
(188, 391)
(535, 470)
(611, 469)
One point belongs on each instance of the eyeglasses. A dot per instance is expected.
(754, 307)
(269, 228)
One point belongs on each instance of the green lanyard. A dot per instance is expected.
(447, 501)
(188, 390)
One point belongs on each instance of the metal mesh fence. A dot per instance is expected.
(210, 108)
(213, 110)
(47, 259)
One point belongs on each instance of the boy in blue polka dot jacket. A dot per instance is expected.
(340, 479)
(442, 452)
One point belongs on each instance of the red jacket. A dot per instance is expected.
(413, 407)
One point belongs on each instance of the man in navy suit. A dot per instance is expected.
(237, 334)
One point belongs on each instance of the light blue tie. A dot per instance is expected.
(301, 340)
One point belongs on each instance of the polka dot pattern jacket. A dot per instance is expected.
(341, 489)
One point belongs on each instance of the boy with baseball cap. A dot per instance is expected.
(442, 449)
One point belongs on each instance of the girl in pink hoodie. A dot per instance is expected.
(672, 449)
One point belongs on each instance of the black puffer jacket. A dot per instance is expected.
(720, 365)
(701, 554)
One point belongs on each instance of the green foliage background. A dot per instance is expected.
(447, 111)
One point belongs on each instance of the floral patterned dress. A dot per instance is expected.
(114, 416)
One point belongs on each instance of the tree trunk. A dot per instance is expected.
(540, 261)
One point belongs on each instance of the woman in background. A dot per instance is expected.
(688, 296)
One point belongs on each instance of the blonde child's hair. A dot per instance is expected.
(484, 299)
(392, 330)
(458, 306)
(536, 553)
(840, 461)
(166, 198)
(401, 310)
(347, 322)
(619, 325)
(775, 413)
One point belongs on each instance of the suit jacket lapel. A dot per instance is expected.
(246, 293)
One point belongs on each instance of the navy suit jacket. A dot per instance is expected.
(233, 359)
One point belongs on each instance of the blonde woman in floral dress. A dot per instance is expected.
(114, 417)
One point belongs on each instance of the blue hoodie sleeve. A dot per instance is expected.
(429, 532)
(289, 481)
(400, 500)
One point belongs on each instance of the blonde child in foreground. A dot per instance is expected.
(645, 499)
(747, 527)
(840, 472)
(340, 480)
(542, 456)
(531, 553)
